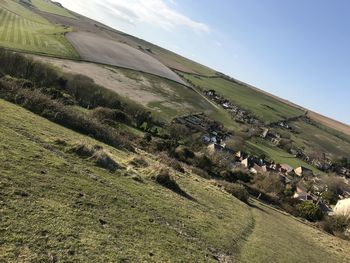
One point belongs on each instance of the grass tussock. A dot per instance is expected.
(165, 179)
(97, 154)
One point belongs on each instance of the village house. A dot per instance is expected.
(302, 195)
(302, 171)
(240, 156)
(342, 208)
(284, 168)
(257, 169)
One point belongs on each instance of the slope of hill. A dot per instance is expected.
(57, 206)
(264, 107)
(21, 29)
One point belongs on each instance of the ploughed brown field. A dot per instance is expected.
(107, 51)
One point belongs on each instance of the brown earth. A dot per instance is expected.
(166, 57)
(336, 125)
(108, 78)
(94, 48)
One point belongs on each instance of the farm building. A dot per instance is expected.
(342, 207)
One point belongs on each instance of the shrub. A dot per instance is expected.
(269, 183)
(41, 104)
(237, 174)
(310, 211)
(103, 160)
(336, 224)
(203, 162)
(165, 159)
(237, 190)
(110, 115)
(200, 172)
(166, 180)
(139, 162)
(183, 154)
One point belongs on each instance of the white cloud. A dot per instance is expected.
(153, 12)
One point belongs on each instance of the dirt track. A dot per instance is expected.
(107, 51)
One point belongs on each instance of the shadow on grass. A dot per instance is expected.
(167, 181)
(257, 207)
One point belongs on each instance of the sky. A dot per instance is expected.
(295, 49)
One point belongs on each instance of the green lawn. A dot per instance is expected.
(315, 139)
(47, 6)
(52, 203)
(263, 106)
(23, 30)
(259, 146)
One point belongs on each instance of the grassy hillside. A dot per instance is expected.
(258, 146)
(263, 106)
(58, 207)
(21, 29)
(316, 139)
(48, 6)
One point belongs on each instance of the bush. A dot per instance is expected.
(336, 224)
(166, 180)
(184, 154)
(269, 183)
(200, 172)
(103, 160)
(139, 162)
(237, 174)
(165, 159)
(237, 190)
(310, 211)
(42, 105)
(110, 115)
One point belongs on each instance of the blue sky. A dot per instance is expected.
(296, 49)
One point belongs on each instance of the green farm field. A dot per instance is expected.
(59, 207)
(49, 7)
(320, 139)
(23, 30)
(259, 146)
(263, 106)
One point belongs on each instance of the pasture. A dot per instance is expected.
(317, 140)
(57, 206)
(49, 7)
(259, 146)
(263, 106)
(23, 30)
(166, 99)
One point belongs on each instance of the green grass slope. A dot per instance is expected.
(56, 206)
(259, 146)
(320, 140)
(263, 106)
(21, 29)
(49, 7)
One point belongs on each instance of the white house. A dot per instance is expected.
(342, 207)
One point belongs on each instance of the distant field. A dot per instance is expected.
(94, 48)
(47, 6)
(258, 146)
(263, 106)
(167, 99)
(52, 202)
(315, 139)
(333, 124)
(23, 30)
